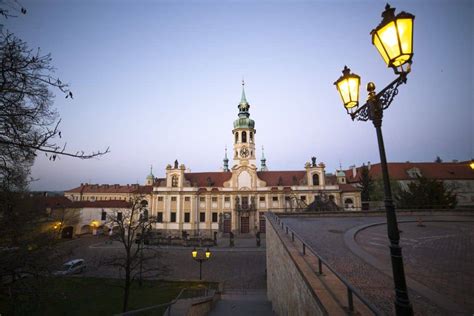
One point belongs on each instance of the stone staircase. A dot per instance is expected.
(242, 302)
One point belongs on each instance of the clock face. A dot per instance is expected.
(244, 152)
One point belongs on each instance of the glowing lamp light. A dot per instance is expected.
(348, 87)
(57, 225)
(194, 253)
(472, 164)
(393, 38)
(94, 224)
(208, 253)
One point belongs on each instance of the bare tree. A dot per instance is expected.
(131, 228)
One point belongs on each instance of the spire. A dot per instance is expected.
(226, 161)
(243, 99)
(263, 162)
(150, 176)
(243, 105)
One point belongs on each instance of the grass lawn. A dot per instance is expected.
(91, 296)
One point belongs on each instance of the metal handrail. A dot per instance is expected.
(350, 289)
(169, 304)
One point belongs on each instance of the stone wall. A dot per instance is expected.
(292, 286)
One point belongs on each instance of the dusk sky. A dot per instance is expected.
(161, 80)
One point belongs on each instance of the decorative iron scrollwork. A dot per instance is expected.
(384, 99)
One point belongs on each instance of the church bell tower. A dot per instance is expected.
(244, 134)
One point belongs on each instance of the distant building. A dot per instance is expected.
(234, 199)
(80, 217)
(456, 175)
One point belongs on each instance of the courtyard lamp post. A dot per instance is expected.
(393, 38)
(201, 259)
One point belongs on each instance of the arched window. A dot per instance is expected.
(236, 137)
(174, 181)
(348, 203)
(315, 179)
(251, 137)
(244, 137)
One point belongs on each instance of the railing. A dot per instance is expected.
(305, 247)
(161, 309)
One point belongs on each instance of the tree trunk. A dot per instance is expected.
(126, 292)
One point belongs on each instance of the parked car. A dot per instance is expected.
(72, 267)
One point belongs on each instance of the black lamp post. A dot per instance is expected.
(201, 259)
(393, 38)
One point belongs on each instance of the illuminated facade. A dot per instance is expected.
(234, 199)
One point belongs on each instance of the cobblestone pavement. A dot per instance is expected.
(241, 267)
(326, 236)
(439, 255)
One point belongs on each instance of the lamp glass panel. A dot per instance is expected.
(389, 38)
(354, 83)
(405, 31)
(349, 91)
(380, 48)
(194, 253)
(208, 254)
(343, 88)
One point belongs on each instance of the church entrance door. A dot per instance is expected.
(262, 223)
(244, 224)
(227, 226)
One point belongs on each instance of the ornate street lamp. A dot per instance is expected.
(201, 259)
(394, 40)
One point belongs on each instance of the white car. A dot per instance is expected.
(72, 267)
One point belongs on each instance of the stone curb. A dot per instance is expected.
(213, 249)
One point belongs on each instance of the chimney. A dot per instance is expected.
(354, 171)
(368, 165)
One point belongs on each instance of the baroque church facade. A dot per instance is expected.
(234, 199)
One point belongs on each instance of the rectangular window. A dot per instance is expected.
(159, 217)
(173, 199)
(202, 199)
(287, 198)
(187, 199)
(214, 217)
(103, 216)
(202, 217)
(160, 199)
(119, 216)
(173, 217)
(303, 198)
(214, 199)
(227, 199)
(262, 199)
(245, 201)
(275, 199)
(187, 217)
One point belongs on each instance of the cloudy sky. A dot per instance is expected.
(160, 80)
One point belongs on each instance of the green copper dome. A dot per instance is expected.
(340, 173)
(244, 121)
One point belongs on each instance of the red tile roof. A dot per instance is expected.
(288, 178)
(112, 188)
(103, 204)
(200, 179)
(344, 187)
(53, 202)
(431, 170)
